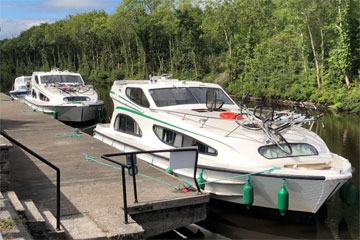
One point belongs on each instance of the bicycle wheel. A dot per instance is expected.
(280, 141)
(252, 126)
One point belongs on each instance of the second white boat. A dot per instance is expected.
(65, 95)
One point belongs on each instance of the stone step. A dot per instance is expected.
(18, 231)
(50, 222)
(35, 221)
(15, 202)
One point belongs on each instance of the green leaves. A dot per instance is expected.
(272, 48)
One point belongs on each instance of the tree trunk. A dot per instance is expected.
(322, 46)
(347, 79)
(170, 55)
(303, 54)
(314, 52)
(195, 65)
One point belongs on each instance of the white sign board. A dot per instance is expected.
(183, 159)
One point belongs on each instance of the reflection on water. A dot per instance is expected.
(342, 135)
(336, 221)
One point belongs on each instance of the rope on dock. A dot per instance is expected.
(92, 159)
(5, 100)
(77, 133)
(92, 126)
(74, 135)
(183, 183)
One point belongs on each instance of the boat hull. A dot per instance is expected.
(18, 94)
(70, 113)
(306, 193)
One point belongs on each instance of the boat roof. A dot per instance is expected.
(22, 79)
(164, 83)
(56, 72)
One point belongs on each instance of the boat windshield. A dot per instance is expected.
(61, 79)
(172, 96)
(200, 94)
(23, 87)
(184, 95)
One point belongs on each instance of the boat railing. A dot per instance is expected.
(191, 114)
(132, 170)
(47, 163)
(203, 119)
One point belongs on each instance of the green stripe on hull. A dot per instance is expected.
(111, 92)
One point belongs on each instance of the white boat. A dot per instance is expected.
(65, 95)
(168, 113)
(21, 87)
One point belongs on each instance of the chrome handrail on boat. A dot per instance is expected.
(203, 119)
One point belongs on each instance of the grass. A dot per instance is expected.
(6, 224)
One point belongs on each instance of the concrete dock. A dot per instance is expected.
(91, 194)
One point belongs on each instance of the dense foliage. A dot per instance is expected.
(293, 49)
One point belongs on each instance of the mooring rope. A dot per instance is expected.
(77, 132)
(92, 159)
(92, 126)
(74, 135)
(183, 183)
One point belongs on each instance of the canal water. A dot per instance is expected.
(334, 221)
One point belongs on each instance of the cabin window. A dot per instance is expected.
(137, 96)
(200, 94)
(33, 93)
(181, 95)
(43, 97)
(172, 96)
(298, 150)
(126, 124)
(176, 139)
(66, 78)
(36, 79)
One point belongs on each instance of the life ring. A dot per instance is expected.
(231, 115)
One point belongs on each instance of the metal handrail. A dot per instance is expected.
(47, 163)
(132, 156)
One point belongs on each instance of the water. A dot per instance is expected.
(334, 221)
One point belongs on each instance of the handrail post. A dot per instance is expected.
(58, 200)
(124, 194)
(195, 170)
(133, 156)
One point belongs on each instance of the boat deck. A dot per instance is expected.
(91, 194)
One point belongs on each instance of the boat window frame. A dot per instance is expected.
(287, 156)
(182, 141)
(61, 76)
(142, 97)
(219, 91)
(34, 94)
(42, 97)
(167, 105)
(125, 125)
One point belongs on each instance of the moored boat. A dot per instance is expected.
(65, 95)
(238, 147)
(21, 87)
